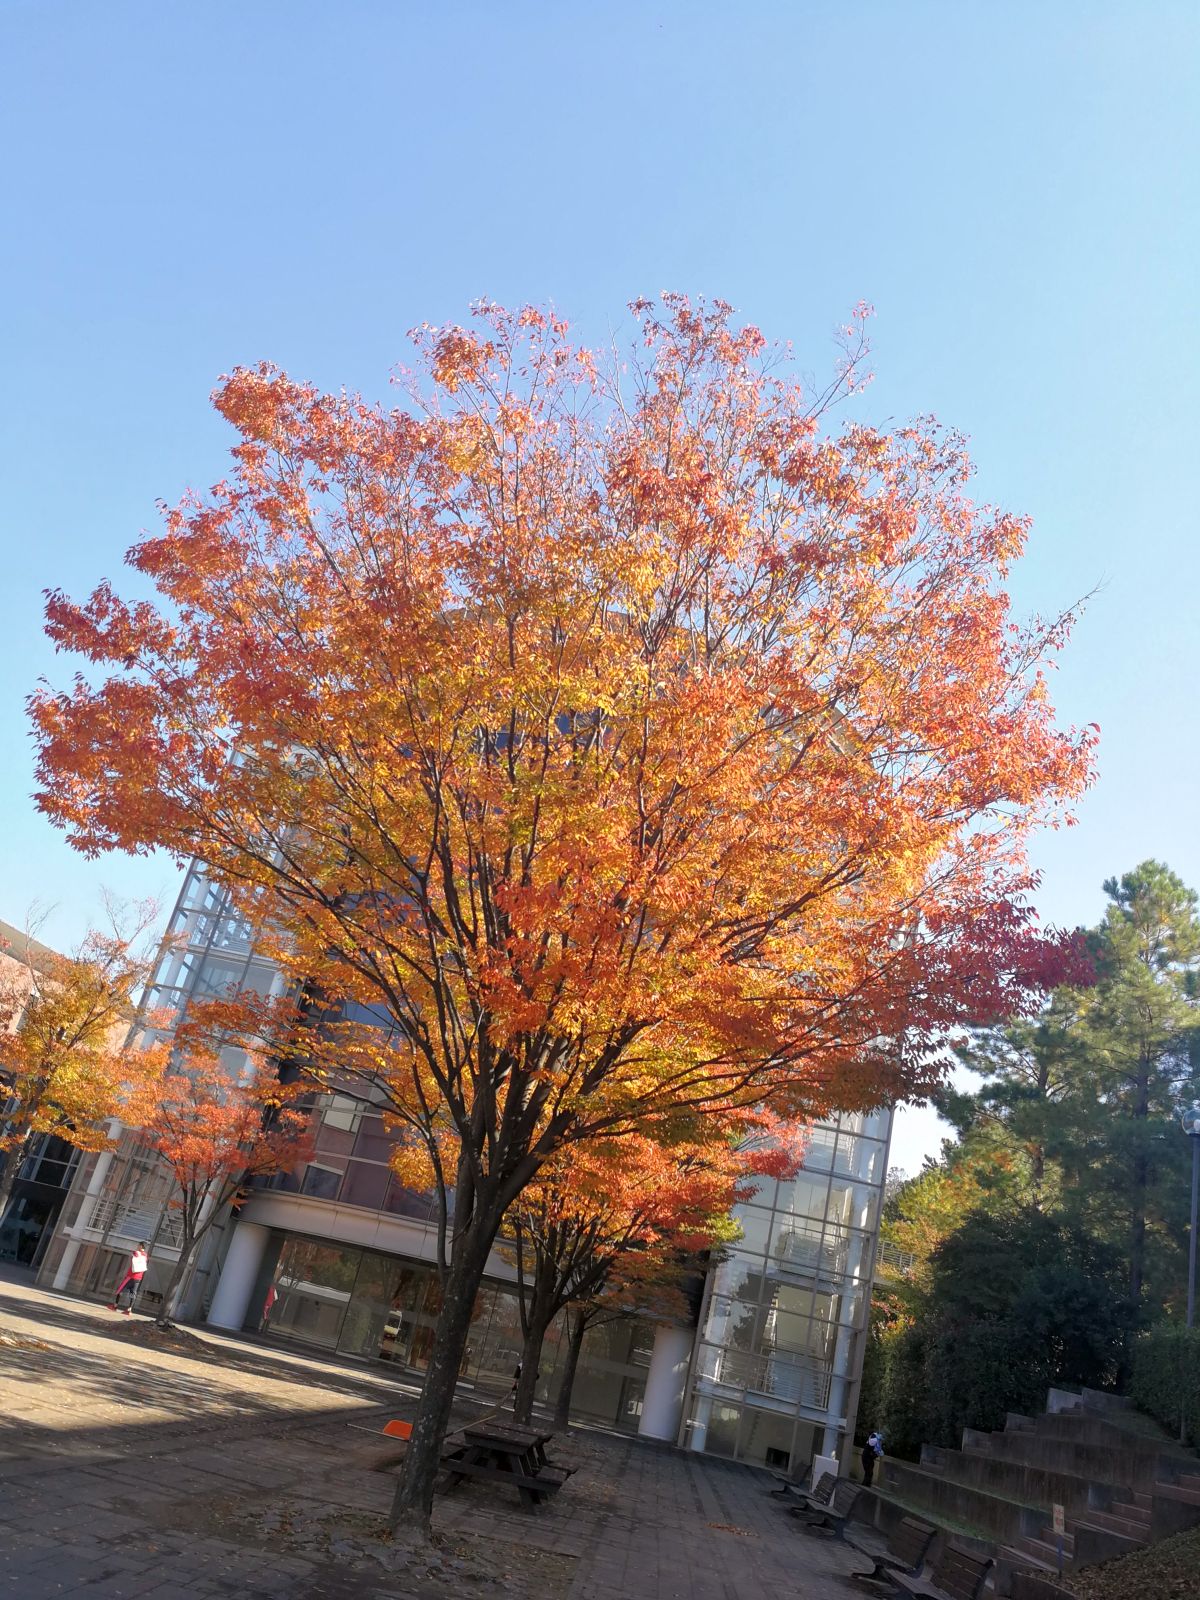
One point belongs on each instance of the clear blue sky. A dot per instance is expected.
(1014, 187)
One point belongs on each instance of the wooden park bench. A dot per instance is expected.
(503, 1453)
(907, 1546)
(955, 1576)
(820, 1496)
(833, 1517)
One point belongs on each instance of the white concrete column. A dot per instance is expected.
(843, 1358)
(666, 1381)
(236, 1284)
(699, 1434)
(62, 1275)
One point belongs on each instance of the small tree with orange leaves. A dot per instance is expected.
(215, 1133)
(627, 738)
(616, 1227)
(67, 1066)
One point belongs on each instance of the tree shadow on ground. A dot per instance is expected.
(67, 1316)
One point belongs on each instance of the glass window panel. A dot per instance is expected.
(802, 1335)
(323, 1182)
(739, 1277)
(756, 1229)
(766, 1438)
(334, 1141)
(841, 1207)
(365, 1185)
(402, 1202)
(408, 1330)
(641, 1339)
(219, 975)
(313, 1284)
(859, 1158)
(763, 1193)
(803, 1196)
(370, 1306)
(731, 1322)
(797, 1245)
(793, 1299)
(494, 1347)
(722, 1430)
(609, 1342)
(259, 977)
(340, 1111)
(374, 1142)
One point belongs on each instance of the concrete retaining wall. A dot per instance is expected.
(959, 1502)
(1171, 1513)
(1140, 1465)
(1031, 1484)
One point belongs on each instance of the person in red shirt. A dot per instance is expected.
(138, 1262)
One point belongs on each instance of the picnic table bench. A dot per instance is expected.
(833, 1517)
(907, 1546)
(503, 1452)
(956, 1575)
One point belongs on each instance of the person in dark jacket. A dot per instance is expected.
(871, 1452)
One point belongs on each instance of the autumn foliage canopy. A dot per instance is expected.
(632, 734)
(214, 1134)
(617, 1225)
(632, 708)
(66, 1065)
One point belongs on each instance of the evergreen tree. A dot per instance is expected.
(1055, 1221)
(1140, 1028)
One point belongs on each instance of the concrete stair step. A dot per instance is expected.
(1048, 1536)
(1100, 1464)
(1015, 1555)
(1141, 1500)
(1131, 1513)
(1028, 1482)
(1175, 1491)
(1188, 1480)
(1046, 1553)
(1138, 1531)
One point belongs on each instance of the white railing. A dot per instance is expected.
(803, 1380)
(802, 1250)
(137, 1220)
(901, 1261)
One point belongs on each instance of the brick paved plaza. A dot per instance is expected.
(230, 1469)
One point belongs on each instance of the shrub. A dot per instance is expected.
(1015, 1304)
(1166, 1377)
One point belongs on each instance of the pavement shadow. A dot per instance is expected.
(67, 1316)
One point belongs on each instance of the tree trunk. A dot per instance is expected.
(413, 1499)
(1037, 1174)
(539, 1319)
(186, 1251)
(8, 1176)
(1139, 1186)
(562, 1408)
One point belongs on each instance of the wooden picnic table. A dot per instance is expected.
(503, 1452)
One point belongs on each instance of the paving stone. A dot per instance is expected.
(225, 1470)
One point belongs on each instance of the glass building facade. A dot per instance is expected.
(778, 1353)
(340, 1257)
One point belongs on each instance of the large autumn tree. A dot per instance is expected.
(628, 734)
